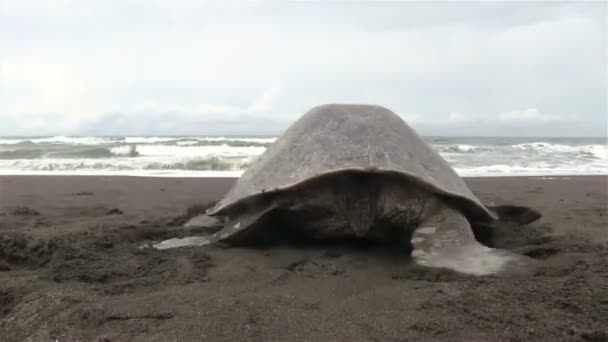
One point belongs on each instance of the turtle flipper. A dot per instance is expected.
(190, 241)
(209, 225)
(204, 221)
(445, 240)
(221, 229)
(201, 221)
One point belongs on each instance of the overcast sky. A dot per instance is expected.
(174, 67)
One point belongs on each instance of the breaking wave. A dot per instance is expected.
(58, 140)
(461, 148)
(209, 155)
(70, 154)
(595, 151)
(59, 164)
(231, 141)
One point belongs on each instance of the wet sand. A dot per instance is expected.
(71, 270)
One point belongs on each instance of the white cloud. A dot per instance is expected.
(457, 117)
(266, 102)
(259, 106)
(452, 118)
(530, 115)
(40, 94)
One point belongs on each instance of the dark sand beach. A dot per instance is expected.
(71, 269)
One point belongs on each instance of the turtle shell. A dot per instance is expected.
(336, 138)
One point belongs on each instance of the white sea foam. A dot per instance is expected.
(202, 156)
(132, 140)
(122, 150)
(459, 148)
(195, 140)
(187, 142)
(134, 173)
(595, 150)
(253, 140)
(468, 148)
(7, 141)
(598, 151)
(507, 170)
(148, 140)
(197, 151)
(60, 140)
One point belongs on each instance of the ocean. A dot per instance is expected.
(206, 156)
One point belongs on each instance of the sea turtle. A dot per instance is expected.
(361, 171)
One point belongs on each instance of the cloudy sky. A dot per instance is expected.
(174, 67)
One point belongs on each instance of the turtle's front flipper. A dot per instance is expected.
(190, 241)
(201, 221)
(231, 231)
(204, 221)
(445, 240)
(208, 225)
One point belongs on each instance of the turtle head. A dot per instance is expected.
(361, 216)
(361, 226)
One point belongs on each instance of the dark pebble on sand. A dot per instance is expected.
(114, 211)
(21, 211)
(4, 267)
(104, 244)
(83, 193)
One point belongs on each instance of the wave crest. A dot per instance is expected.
(595, 151)
(180, 155)
(460, 148)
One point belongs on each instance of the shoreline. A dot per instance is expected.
(237, 174)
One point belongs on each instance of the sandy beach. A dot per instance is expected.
(72, 269)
